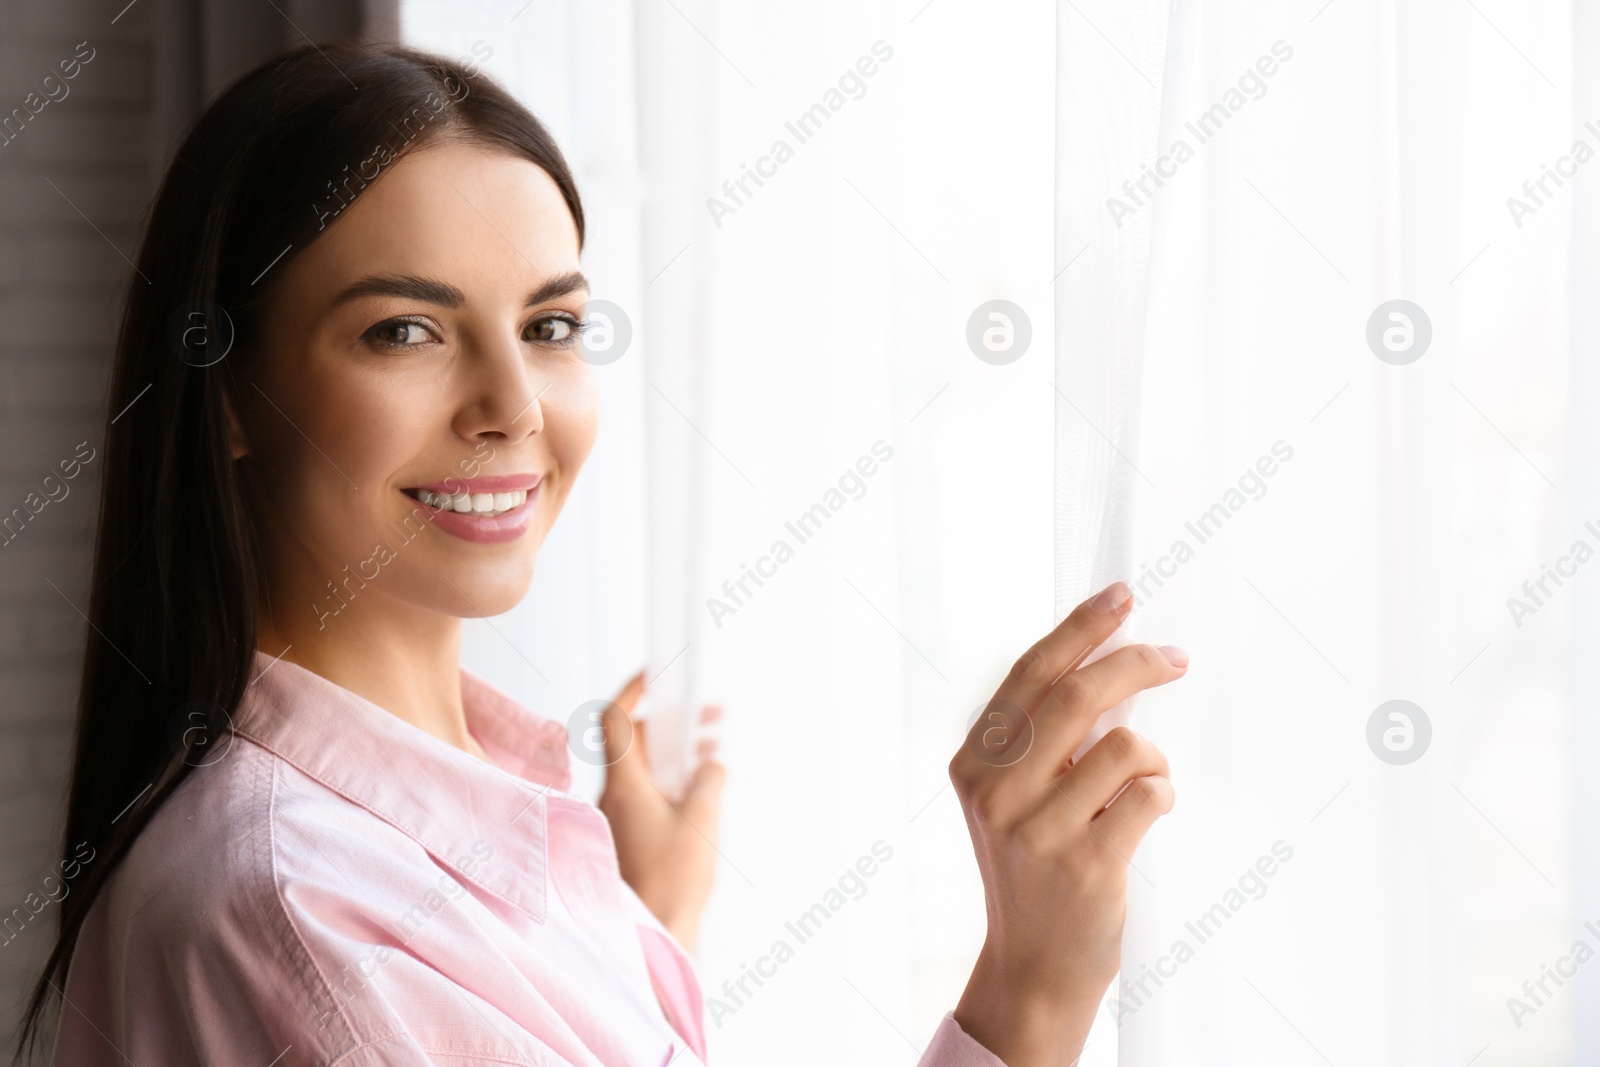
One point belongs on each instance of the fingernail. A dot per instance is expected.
(1175, 655)
(1112, 597)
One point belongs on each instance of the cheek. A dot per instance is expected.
(340, 442)
(328, 451)
(376, 423)
(572, 420)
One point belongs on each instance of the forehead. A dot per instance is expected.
(479, 218)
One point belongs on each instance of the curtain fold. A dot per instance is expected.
(1583, 446)
(1108, 126)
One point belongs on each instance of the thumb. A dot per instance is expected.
(628, 697)
(702, 798)
(626, 762)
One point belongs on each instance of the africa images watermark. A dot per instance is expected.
(1536, 192)
(803, 528)
(343, 987)
(1132, 994)
(53, 90)
(1536, 993)
(804, 127)
(383, 553)
(1206, 126)
(1209, 523)
(12, 925)
(55, 491)
(1536, 592)
(851, 885)
(343, 190)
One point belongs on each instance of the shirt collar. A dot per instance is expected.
(443, 798)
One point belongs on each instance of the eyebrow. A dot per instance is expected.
(442, 293)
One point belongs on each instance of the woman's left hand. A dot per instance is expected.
(666, 847)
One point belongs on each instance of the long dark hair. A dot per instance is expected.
(177, 581)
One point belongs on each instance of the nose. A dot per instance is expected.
(502, 394)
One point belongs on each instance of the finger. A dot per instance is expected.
(1116, 759)
(628, 698)
(710, 713)
(705, 748)
(702, 798)
(1131, 815)
(626, 762)
(1072, 705)
(1063, 648)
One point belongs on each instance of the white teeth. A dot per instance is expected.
(480, 504)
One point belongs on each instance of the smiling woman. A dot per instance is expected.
(380, 382)
(328, 844)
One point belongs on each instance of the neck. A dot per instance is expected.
(405, 659)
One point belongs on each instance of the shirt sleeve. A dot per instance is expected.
(954, 1047)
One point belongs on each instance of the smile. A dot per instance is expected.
(483, 505)
(485, 510)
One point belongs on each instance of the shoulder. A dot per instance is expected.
(239, 842)
(220, 914)
(202, 867)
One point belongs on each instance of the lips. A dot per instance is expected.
(489, 483)
(485, 510)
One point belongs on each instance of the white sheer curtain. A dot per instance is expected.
(1365, 521)
(1583, 444)
(784, 342)
(1329, 526)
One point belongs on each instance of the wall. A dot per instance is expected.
(74, 181)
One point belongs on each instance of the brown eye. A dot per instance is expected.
(398, 333)
(557, 330)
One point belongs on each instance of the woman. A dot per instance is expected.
(350, 400)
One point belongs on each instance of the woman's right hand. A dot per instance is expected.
(1052, 847)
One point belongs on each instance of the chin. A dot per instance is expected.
(489, 588)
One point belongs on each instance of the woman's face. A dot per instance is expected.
(428, 340)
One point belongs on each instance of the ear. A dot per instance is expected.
(238, 445)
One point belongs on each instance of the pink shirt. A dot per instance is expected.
(341, 887)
